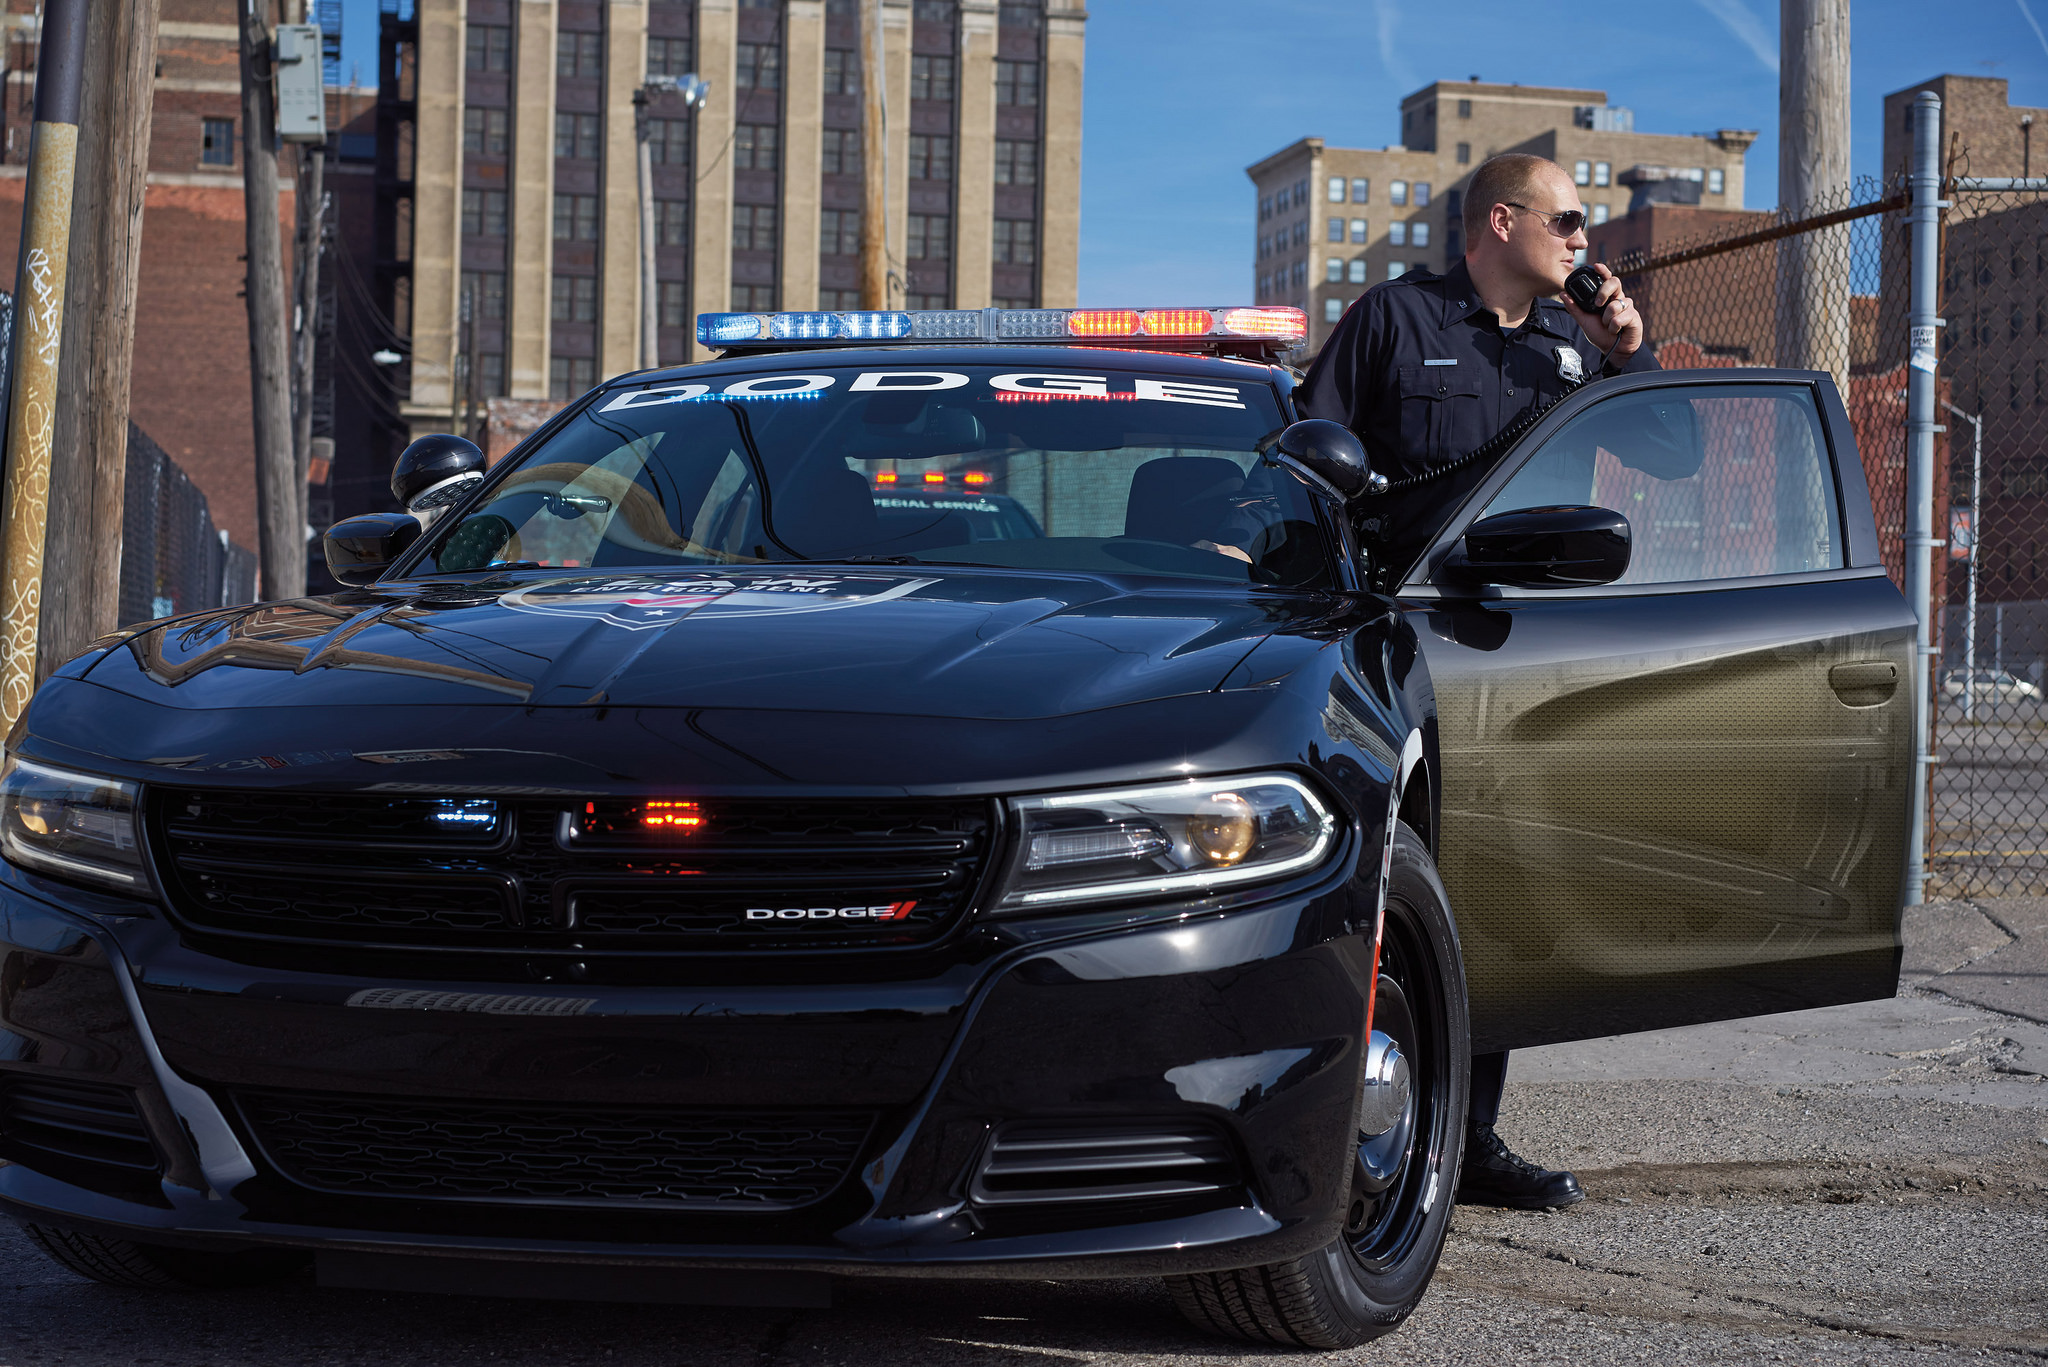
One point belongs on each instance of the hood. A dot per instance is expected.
(922, 640)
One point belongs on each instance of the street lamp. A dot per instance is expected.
(695, 90)
(1976, 543)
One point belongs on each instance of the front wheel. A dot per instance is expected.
(1410, 1138)
(153, 1267)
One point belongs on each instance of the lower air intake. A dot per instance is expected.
(89, 1132)
(1036, 1163)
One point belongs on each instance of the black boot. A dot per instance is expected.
(1494, 1176)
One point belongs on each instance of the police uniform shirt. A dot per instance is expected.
(1424, 373)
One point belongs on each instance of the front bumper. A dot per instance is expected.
(1248, 1022)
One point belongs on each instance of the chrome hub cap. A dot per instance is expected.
(1386, 1115)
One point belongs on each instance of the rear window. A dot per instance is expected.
(1054, 469)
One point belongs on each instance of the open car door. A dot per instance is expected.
(1681, 796)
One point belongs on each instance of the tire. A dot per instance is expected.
(1370, 1279)
(153, 1267)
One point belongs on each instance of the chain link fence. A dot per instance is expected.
(173, 559)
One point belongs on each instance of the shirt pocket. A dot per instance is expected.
(1441, 414)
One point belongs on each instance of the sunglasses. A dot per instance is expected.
(1564, 224)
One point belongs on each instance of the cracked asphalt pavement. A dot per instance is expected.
(1867, 1183)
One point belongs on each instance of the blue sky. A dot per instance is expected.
(1182, 95)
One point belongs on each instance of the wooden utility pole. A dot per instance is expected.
(280, 521)
(312, 213)
(874, 227)
(38, 345)
(1813, 176)
(88, 482)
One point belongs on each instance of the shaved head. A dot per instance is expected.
(1510, 178)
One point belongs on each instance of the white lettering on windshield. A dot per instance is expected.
(660, 394)
(906, 379)
(1050, 384)
(758, 387)
(1176, 391)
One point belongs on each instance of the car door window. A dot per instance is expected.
(1726, 482)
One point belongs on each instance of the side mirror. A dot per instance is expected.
(1329, 454)
(435, 471)
(1541, 548)
(359, 549)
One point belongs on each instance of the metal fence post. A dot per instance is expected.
(1925, 216)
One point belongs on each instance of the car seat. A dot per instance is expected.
(1182, 499)
(830, 513)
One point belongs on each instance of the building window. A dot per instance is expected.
(1333, 271)
(1016, 162)
(931, 78)
(1396, 269)
(672, 222)
(1017, 83)
(838, 299)
(579, 135)
(1420, 197)
(1453, 243)
(216, 142)
(487, 289)
(757, 66)
(927, 301)
(1464, 154)
(1016, 242)
(675, 304)
(754, 298)
(1335, 230)
(1014, 15)
(579, 54)
(839, 232)
(1418, 234)
(755, 147)
(1336, 189)
(1356, 273)
(1453, 200)
(483, 213)
(931, 158)
(1397, 192)
(1599, 213)
(570, 376)
(1582, 173)
(753, 227)
(1333, 309)
(1464, 109)
(668, 56)
(1301, 191)
(1361, 230)
(1397, 233)
(485, 131)
(842, 71)
(930, 237)
(933, 11)
(491, 370)
(1300, 233)
(575, 299)
(840, 153)
(1298, 273)
(1603, 173)
(489, 48)
(668, 141)
(575, 218)
(1361, 189)
(1717, 181)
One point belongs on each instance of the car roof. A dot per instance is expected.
(913, 356)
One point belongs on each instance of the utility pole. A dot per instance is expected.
(650, 308)
(88, 483)
(874, 229)
(38, 346)
(312, 222)
(280, 519)
(1813, 176)
(472, 315)
(1924, 218)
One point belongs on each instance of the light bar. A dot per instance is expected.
(1274, 327)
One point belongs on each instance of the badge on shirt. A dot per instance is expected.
(1569, 367)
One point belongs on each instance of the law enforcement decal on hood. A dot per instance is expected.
(638, 604)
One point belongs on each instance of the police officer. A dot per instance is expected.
(1425, 368)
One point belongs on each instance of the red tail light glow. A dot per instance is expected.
(935, 477)
(885, 477)
(662, 815)
(1102, 322)
(1178, 322)
(977, 477)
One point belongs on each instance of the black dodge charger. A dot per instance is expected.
(940, 794)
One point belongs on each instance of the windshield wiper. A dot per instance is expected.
(913, 560)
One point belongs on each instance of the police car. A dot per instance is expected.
(676, 870)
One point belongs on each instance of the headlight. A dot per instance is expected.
(74, 825)
(1163, 839)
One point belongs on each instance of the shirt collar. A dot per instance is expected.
(1461, 301)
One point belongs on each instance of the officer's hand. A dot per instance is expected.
(1613, 325)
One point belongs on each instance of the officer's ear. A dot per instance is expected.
(1501, 219)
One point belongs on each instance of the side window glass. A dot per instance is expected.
(1720, 483)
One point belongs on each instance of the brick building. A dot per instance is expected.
(1333, 220)
(507, 163)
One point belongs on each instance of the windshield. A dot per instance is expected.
(1054, 469)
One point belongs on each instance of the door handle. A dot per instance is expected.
(1866, 683)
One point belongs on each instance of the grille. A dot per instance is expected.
(530, 874)
(524, 1154)
(86, 1129)
(1047, 1164)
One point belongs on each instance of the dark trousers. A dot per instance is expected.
(1489, 1075)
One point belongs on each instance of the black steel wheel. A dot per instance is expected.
(152, 1267)
(1411, 1134)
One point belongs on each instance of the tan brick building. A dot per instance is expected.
(1334, 220)
(511, 164)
